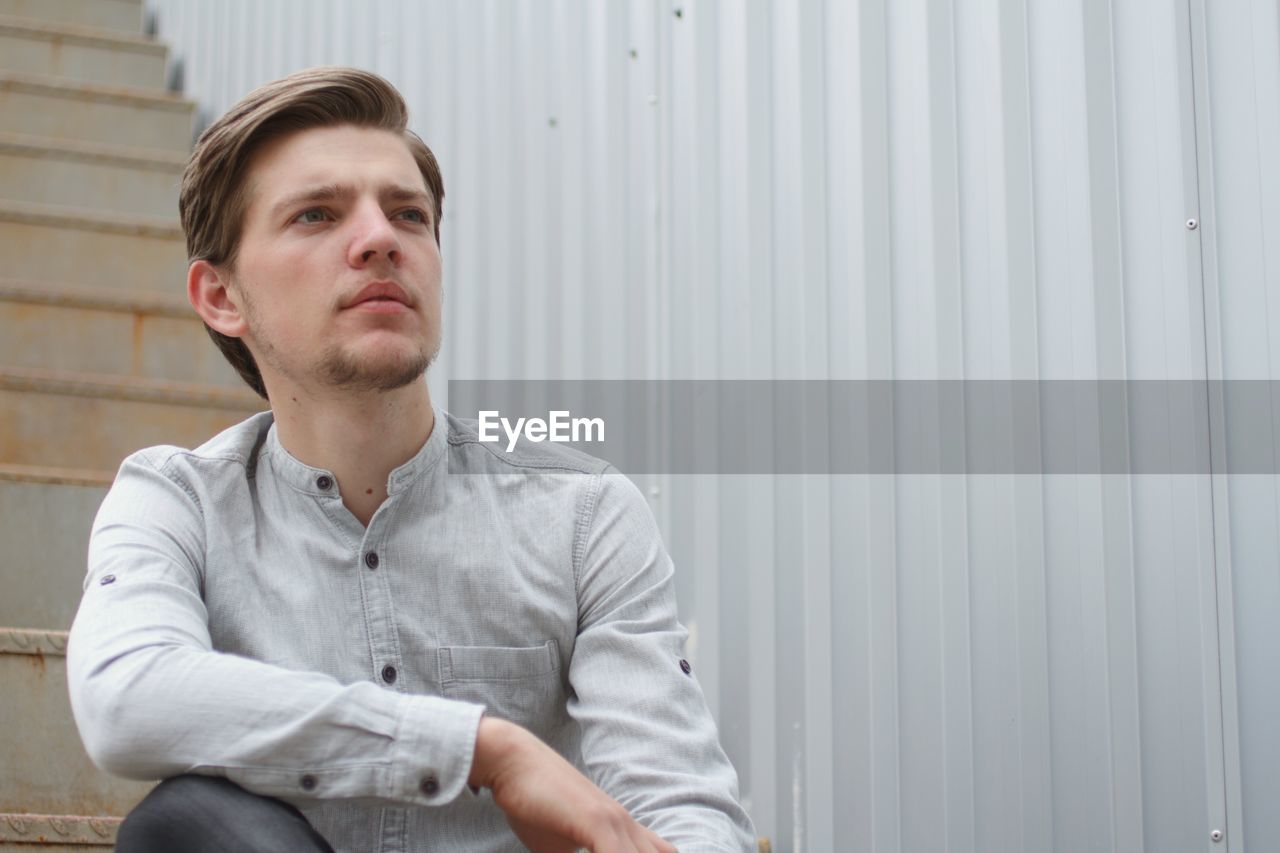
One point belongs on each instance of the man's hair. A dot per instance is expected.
(215, 197)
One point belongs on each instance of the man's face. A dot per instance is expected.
(332, 212)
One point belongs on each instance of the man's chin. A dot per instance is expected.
(367, 374)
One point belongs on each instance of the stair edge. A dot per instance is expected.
(25, 828)
(57, 30)
(131, 388)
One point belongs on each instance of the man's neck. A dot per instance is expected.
(360, 438)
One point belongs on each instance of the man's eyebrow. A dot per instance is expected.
(338, 192)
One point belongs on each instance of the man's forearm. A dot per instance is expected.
(159, 710)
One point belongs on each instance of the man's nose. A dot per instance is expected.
(374, 236)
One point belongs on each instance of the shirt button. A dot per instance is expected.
(685, 668)
(429, 786)
(371, 559)
(106, 579)
(389, 674)
(308, 782)
(324, 482)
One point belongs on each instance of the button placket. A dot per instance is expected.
(384, 643)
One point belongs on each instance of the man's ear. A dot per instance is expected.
(207, 289)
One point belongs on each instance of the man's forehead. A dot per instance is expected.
(333, 162)
(322, 154)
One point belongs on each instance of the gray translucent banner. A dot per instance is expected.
(890, 426)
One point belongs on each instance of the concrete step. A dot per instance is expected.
(43, 243)
(121, 16)
(40, 737)
(91, 177)
(81, 420)
(111, 115)
(56, 833)
(115, 332)
(82, 54)
(45, 517)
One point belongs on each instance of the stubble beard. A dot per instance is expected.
(338, 369)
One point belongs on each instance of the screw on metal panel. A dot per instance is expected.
(633, 53)
(679, 12)
(1193, 224)
(1216, 835)
(551, 122)
(654, 491)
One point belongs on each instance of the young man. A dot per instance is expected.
(348, 604)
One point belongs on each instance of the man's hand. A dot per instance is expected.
(549, 804)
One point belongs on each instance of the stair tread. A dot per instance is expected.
(135, 388)
(31, 641)
(75, 149)
(92, 220)
(55, 476)
(51, 30)
(68, 88)
(26, 828)
(70, 296)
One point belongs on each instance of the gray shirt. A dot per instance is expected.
(239, 621)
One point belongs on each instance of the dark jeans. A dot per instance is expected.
(206, 814)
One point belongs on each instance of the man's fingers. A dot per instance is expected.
(659, 844)
(648, 841)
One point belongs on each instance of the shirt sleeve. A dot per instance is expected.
(648, 738)
(153, 699)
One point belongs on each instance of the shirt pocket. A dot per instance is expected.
(522, 685)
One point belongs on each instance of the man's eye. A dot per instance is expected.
(416, 214)
(309, 217)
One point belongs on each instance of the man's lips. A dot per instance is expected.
(381, 296)
(380, 306)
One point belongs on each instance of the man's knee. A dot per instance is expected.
(204, 814)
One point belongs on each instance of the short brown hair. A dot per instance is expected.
(214, 196)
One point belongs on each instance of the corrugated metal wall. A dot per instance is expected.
(1237, 91)
(901, 189)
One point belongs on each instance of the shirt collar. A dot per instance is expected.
(312, 481)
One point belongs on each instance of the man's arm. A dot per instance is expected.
(648, 737)
(153, 699)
